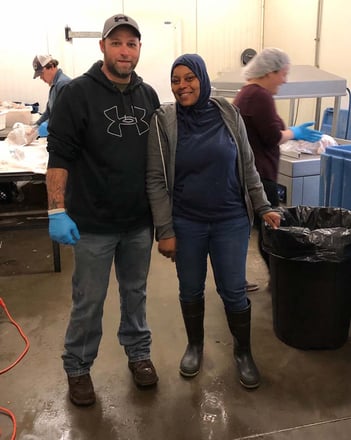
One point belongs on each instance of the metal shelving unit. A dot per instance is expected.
(303, 82)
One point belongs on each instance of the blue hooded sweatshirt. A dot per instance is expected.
(206, 180)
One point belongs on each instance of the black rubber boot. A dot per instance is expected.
(240, 327)
(193, 315)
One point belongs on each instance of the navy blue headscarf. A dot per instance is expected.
(203, 111)
(197, 65)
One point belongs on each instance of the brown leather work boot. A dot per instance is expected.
(144, 373)
(81, 390)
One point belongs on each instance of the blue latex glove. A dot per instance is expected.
(63, 229)
(301, 132)
(43, 129)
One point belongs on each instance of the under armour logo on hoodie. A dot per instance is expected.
(117, 122)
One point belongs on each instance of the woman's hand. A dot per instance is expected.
(167, 247)
(272, 219)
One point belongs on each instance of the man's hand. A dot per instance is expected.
(63, 229)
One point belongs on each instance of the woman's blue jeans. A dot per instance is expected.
(94, 255)
(226, 243)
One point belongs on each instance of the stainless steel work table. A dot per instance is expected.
(17, 217)
(298, 179)
(304, 81)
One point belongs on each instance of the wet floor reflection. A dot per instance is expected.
(213, 415)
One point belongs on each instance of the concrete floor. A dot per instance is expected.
(305, 394)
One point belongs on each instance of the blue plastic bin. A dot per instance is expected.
(343, 129)
(335, 177)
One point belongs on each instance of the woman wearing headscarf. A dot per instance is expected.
(203, 189)
(264, 74)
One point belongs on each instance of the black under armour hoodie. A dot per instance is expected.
(99, 134)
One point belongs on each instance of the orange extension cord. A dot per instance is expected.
(12, 321)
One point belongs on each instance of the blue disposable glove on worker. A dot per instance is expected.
(43, 129)
(63, 229)
(301, 132)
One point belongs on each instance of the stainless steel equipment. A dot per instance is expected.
(298, 177)
(303, 82)
(298, 180)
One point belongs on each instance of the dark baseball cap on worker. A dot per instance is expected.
(119, 20)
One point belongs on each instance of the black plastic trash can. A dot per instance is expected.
(310, 268)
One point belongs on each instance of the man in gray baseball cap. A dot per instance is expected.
(119, 20)
(97, 203)
(45, 68)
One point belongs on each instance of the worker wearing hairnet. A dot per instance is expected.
(264, 74)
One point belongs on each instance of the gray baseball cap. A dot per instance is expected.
(39, 62)
(119, 20)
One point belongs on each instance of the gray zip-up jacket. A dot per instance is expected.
(162, 143)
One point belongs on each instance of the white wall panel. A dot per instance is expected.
(224, 29)
(163, 42)
(162, 28)
(335, 55)
(39, 28)
(160, 43)
(292, 26)
(219, 30)
(20, 40)
(335, 38)
(179, 11)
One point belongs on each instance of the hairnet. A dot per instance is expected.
(269, 60)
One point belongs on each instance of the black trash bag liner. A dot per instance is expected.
(310, 234)
(8, 192)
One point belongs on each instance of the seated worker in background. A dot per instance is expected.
(264, 73)
(45, 67)
(203, 189)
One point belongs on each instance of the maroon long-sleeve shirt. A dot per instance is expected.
(263, 125)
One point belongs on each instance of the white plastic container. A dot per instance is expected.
(22, 115)
(2, 120)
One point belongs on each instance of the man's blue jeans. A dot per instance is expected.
(94, 254)
(226, 243)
